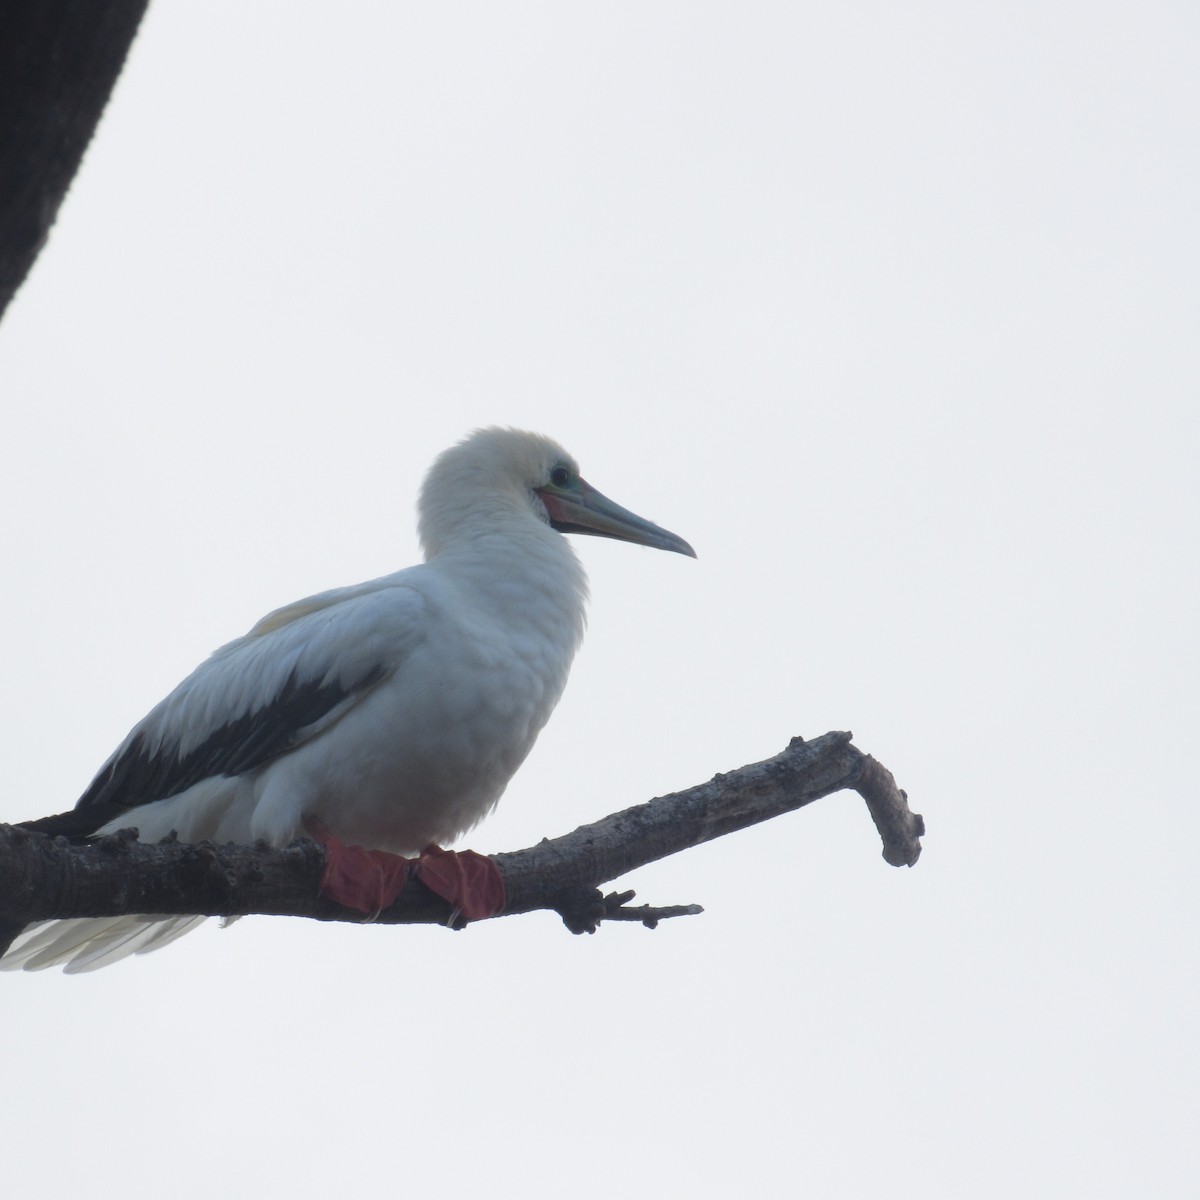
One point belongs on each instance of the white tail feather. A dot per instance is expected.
(88, 943)
(66, 936)
(140, 939)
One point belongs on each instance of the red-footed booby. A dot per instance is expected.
(384, 719)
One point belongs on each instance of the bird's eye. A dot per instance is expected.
(560, 476)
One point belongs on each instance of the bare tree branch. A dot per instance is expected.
(43, 877)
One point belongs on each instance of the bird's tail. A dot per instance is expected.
(87, 943)
(9, 932)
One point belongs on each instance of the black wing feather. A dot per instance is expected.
(251, 740)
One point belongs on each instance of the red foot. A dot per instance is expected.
(370, 880)
(468, 882)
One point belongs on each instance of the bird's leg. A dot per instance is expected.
(370, 880)
(470, 883)
(365, 880)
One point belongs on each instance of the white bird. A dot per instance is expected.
(389, 715)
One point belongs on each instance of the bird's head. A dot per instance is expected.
(497, 476)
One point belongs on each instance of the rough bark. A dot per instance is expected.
(59, 60)
(43, 877)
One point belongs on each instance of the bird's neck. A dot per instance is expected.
(530, 580)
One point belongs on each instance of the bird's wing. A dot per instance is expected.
(299, 670)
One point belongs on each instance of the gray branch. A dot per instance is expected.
(43, 878)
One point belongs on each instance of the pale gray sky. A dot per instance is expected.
(892, 311)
